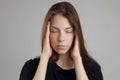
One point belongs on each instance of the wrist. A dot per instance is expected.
(77, 59)
(44, 56)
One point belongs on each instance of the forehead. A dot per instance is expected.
(60, 22)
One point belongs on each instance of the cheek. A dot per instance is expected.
(53, 39)
(70, 39)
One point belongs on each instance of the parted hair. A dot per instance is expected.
(67, 10)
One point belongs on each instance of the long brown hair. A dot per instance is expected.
(68, 11)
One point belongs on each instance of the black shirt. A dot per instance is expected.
(54, 72)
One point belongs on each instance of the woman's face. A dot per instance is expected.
(61, 34)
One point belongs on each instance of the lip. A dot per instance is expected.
(61, 46)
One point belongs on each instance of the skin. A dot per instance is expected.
(57, 34)
(61, 33)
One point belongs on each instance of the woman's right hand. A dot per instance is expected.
(47, 50)
(44, 57)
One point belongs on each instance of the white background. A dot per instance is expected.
(20, 29)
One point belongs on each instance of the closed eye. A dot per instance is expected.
(69, 30)
(53, 30)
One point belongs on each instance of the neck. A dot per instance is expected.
(65, 61)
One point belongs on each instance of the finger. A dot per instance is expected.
(46, 39)
(76, 38)
(48, 29)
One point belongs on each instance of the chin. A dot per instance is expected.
(60, 52)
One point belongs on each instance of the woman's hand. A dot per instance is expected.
(75, 53)
(45, 55)
(79, 68)
(47, 50)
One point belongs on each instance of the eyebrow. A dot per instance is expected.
(58, 28)
(54, 27)
(69, 28)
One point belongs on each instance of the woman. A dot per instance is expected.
(63, 56)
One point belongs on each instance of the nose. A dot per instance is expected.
(61, 37)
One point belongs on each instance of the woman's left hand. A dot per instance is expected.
(79, 68)
(75, 53)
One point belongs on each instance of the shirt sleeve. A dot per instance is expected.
(95, 72)
(27, 71)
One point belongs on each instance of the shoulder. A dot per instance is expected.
(92, 67)
(93, 70)
(31, 63)
(29, 69)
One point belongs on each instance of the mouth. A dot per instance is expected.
(61, 46)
